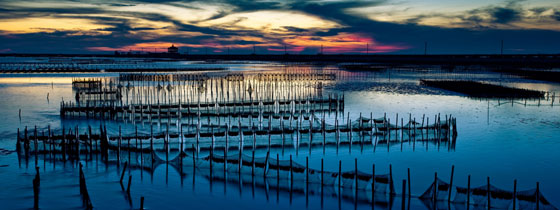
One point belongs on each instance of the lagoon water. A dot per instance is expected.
(501, 139)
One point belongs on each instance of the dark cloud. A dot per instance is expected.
(294, 29)
(476, 39)
(334, 10)
(505, 15)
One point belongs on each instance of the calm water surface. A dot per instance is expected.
(500, 139)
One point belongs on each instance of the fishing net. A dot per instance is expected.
(440, 194)
(363, 180)
(461, 194)
(279, 168)
(329, 178)
(527, 200)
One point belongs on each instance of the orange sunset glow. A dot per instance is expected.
(338, 26)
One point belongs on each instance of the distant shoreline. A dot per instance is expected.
(508, 60)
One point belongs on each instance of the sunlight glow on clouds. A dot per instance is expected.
(48, 24)
(271, 21)
(344, 43)
(340, 26)
(184, 13)
(512, 14)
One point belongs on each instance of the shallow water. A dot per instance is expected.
(500, 139)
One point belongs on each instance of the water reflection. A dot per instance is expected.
(499, 129)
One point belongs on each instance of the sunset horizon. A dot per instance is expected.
(274, 27)
(280, 104)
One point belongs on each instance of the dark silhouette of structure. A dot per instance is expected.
(173, 50)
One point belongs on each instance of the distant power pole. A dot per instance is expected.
(425, 48)
(367, 48)
(502, 48)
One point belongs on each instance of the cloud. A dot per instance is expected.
(505, 15)
(303, 26)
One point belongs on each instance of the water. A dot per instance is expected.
(500, 139)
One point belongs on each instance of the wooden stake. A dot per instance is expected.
(128, 187)
(451, 183)
(124, 169)
(469, 191)
(409, 192)
(514, 193)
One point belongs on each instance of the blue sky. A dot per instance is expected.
(340, 26)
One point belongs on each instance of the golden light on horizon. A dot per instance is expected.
(185, 13)
(50, 24)
(271, 21)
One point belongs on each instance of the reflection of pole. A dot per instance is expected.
(488, 114)
(502, 48)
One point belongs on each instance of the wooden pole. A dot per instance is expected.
(124, 169)
(538, 201)
(451, 183)
(306, 170)
(488, 191)
(469, 191)
(322, 175)
(356, 173)
(409, 192)
(373, 182)
(434, 195)
(253, 164)
(277, 169)
(391, 180)
(403, 193)
(514, 192)
(36, 192)
(339, 174)
(128, 187)
(291, 171)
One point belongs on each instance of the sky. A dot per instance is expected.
(274, 26)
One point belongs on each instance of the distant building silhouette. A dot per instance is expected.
(173, 50)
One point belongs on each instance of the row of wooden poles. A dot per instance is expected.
(175, 110)
(405, 193)
(219, 89)
(285, 76)
(71, 140)
(406, 188)
(548, 97)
